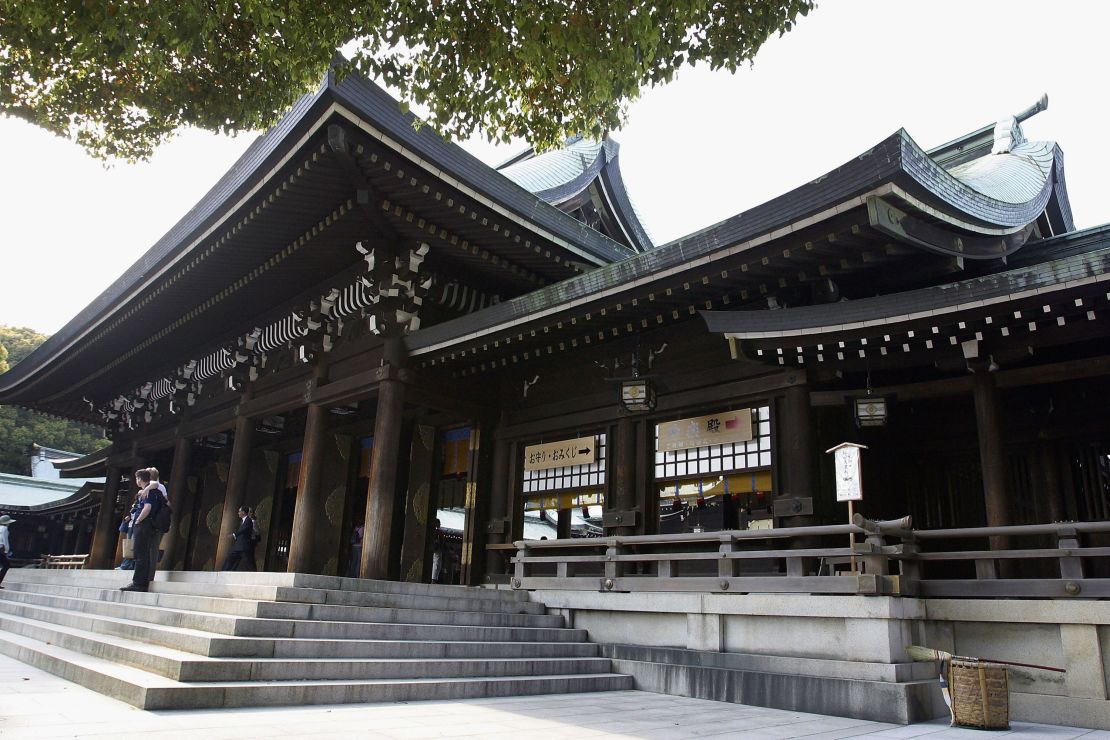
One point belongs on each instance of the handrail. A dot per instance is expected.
(1012, 530)
(793, 560)
(684, 537)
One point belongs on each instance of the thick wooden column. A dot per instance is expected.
(237, 475)
(174, 540)
(419, 509)
(383, 479)
(478, 493)
(624, 476)
(795, 433)
(499, 530)
(1049, 482)
(501, 497)
(991, 450)
(70, 540)
(308, 513)
(107, 526)
(83, 537)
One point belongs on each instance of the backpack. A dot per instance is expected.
(256, 532)
(163, 518)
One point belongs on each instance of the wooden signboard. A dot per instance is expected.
(702, 431)
(580, 451)
(849, 484)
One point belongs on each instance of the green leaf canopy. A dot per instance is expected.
(120, 76)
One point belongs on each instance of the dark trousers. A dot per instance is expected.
(4, 564)
(240, 560)
(146, 553)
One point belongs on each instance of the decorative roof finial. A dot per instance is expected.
(1008, 133)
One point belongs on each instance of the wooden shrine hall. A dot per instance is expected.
(362, 329)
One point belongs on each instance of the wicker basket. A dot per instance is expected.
(980, 694)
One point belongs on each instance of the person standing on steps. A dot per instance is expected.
(438, 553)
(146, 537)
(243, 549)
(155, 480)
(5, 547)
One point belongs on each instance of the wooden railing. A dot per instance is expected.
(891, 559)
(63, 562)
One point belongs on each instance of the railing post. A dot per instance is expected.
(875, 562)
(726, 566)
(1071, 567)
(613, 568)
(909, 568)
(519, 573)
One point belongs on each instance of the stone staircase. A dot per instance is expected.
(201, 639)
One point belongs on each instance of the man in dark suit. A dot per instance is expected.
(241, 556)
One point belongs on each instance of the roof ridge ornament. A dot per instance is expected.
(1008, 133)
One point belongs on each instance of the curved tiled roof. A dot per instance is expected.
(559, 175)
(370, 104)
(547, 174)
(897, 163)
(1089, 264)
(1016, 176)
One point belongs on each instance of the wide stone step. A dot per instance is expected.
(240, 607)
(207, 644)
(150, 691)
(279, 587)
(163, 658)
(338, 583)
(182, 666)
(254, 639)
(127, 607)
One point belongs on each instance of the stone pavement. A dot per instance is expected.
(35, 704)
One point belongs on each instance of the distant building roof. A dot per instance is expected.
(582, 171)
(21, 491)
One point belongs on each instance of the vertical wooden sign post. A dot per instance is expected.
(849, 483)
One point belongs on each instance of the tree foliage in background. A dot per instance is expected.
(120, 75)
(20, 427)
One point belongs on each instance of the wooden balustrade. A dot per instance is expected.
(892, 559)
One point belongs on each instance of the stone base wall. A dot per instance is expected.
(846, 655)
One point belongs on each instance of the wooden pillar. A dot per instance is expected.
(992, 453)
(419, 514)
(624, 475)
(499, 529)
(107, 527)
(478, 494)
(70, 539)
(383, 479)
(309, 508)
(56, 535)
(182, 459)
(500, 500)
(83, 536)
(514, 498)
(237, 475)
(1050, 483)
(795, 432)
(562, 524)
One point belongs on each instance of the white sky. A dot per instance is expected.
(699, 150)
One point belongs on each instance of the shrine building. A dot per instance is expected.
(363, 326)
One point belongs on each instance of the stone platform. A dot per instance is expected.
(36, 705)
(206, 640)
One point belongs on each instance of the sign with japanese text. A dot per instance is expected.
(581, 451)
(702, 431)
(849, 483)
